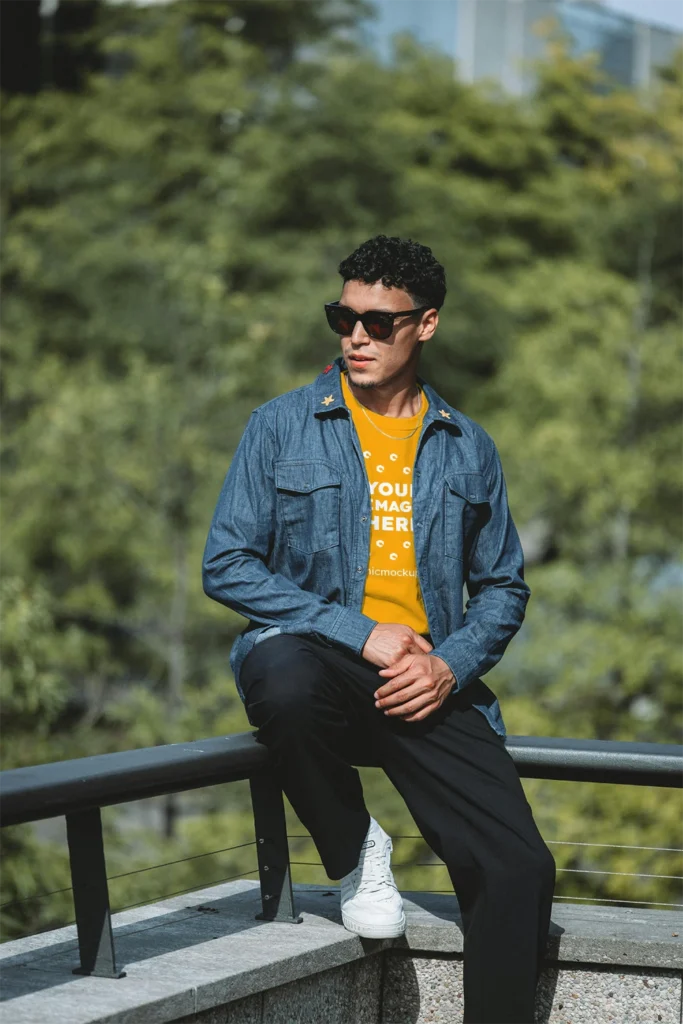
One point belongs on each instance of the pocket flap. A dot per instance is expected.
(305, 475)
(471, 486)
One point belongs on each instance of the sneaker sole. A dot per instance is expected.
(375, 931)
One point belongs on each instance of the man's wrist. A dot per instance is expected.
(448, 671)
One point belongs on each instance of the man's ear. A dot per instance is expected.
(429, 327)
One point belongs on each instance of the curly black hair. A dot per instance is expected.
(398, 263)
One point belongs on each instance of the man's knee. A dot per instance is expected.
(545, 867)
(524, 867)
(281, 675)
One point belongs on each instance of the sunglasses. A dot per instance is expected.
(377, 323)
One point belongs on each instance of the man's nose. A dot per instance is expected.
(359, 332)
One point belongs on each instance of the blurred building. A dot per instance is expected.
(493, 38)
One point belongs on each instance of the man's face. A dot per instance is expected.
(397, 354)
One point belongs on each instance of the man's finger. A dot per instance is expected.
(401, 695)
(399, 666)
(404, 678)
(427, 710)
(416, 702)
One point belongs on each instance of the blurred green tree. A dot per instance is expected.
(588, 410)
(37, 664)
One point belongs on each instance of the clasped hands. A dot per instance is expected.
(417, 682)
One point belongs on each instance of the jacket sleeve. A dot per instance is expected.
(498, 594)
(234, 568)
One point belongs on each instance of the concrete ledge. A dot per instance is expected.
(204, 958)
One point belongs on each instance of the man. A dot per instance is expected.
(355, 510)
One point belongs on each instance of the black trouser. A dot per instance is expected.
(313, 706)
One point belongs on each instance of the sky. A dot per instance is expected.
(668, 13)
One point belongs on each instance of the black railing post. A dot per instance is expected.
(91, 895)
(277, 897)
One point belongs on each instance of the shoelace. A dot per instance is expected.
(375, 874)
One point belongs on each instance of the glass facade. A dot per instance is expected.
(661, 46)
(490, 41)
(431, 22)
(494, 38)
(593, 28)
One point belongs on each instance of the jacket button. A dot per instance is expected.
(363, 518)
(359, 568)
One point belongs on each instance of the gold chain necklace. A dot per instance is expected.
(391, 436)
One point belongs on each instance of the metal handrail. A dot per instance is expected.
(618, 761)
(51, 790)
(79, 788)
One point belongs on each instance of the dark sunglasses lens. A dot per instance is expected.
(340, 320)
(378, 328)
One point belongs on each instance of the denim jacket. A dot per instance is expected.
(289, 542)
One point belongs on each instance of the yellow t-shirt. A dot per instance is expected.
(392, 589)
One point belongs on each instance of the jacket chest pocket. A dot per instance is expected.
(308, 495)
(466, 509)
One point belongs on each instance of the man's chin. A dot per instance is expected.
(360, 379)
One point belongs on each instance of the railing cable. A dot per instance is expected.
(615, 846)
(180, 892)
(182, 860)
(440, 864)
(38, 896)
(603, 899)
(582, 899)
(152, 899)
(623, 874)
(564, 842)
(125, 874)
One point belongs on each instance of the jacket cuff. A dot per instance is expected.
(459, 660)
(352, 629)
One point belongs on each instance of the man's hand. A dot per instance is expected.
(390, 641)
(418, 685)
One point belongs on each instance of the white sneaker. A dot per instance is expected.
(371, 904)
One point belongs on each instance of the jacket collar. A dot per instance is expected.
(328, 397)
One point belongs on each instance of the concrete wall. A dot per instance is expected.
(203, 958)
(391, 988)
